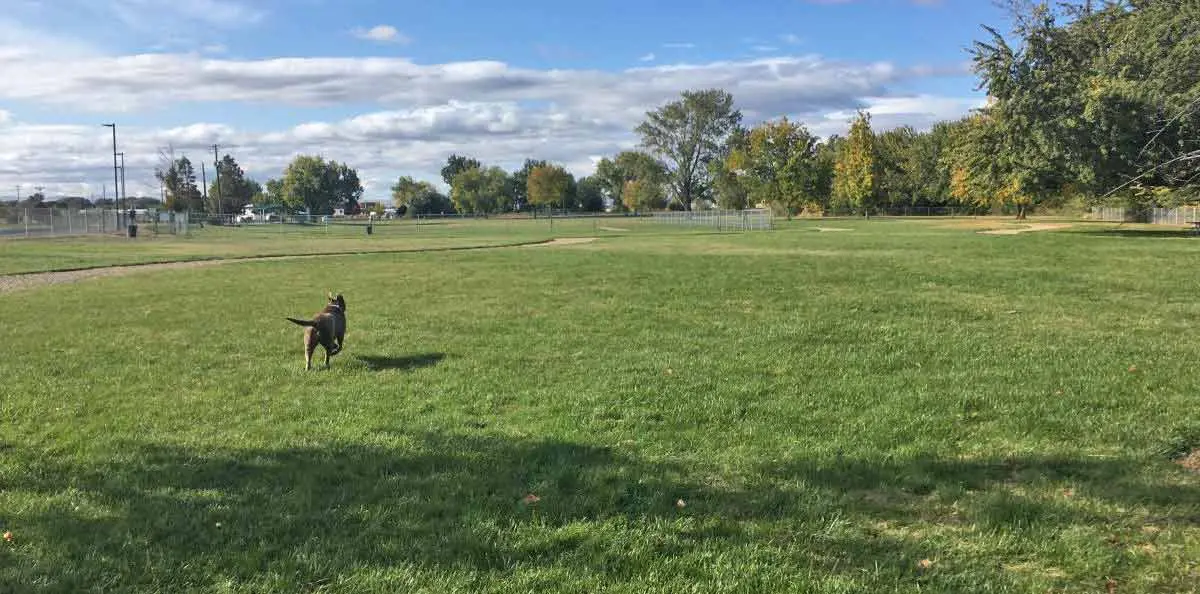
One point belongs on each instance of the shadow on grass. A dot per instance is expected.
(405, 363)
(1167, 233)
(165, 518)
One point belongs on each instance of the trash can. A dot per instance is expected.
(133, 230)
(370, 229)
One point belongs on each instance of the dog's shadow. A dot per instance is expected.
(405, 363)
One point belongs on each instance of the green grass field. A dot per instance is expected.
(897, 407)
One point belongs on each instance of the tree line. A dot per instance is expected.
(1089, 102)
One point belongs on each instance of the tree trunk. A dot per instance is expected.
(1020, 212)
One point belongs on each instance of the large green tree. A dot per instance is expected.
(688, 134)
(777, 165)
(589, 196)
(234, 189)
(613, 174)
(456, 164)
(479, 190)
(518, 182)
(179, 182)
(548, 185)
(419, 197)
(312, 184)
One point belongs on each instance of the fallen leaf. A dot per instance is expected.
(680, 504)
(8, 536)
(1132, 368)
(1111, 586)
(1068, 492)
(670, 372)
(925, 564)
(531, 499)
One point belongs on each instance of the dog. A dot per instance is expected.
(327, 328)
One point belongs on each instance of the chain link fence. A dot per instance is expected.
(1181, 215)
(723, 220)
(16, 221)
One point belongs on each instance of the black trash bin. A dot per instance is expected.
(133, 230)
(370, 229)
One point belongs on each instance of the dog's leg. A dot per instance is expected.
(309, 346)
(326, 358)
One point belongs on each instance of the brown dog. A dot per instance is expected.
(327, 328)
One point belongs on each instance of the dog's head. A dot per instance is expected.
(338, 301)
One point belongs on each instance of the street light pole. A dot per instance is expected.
(116, 184)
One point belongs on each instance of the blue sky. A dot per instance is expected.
(394, 87)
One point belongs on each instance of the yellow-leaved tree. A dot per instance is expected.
(854, 172)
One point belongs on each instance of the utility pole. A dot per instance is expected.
(217, 169)
(204, 183)
(116, 184)
(122, 154)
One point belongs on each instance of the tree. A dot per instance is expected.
(776, 164)
(312, 184)
(235, 188)
(613, 174)
(548, 185)
(419, 197)
(518, 182)
(979, 174)
(179, 181)
(854, 178)
(729, 191)
(456, 164)
(689, 133)
(589, 196)
(479, 190)
(642, 194)
(273, 192)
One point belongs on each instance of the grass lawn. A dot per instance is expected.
(898, 406)
(20, 255)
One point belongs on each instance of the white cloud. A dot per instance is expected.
(5, 117)
(495, 112)
(678, 45)
(382, 34)
(791, 39)
(647, 58)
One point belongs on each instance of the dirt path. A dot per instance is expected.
(17, 282)
(1028, 228)
(561, 241)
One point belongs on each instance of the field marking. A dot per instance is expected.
(29, 280)
(1027, 229)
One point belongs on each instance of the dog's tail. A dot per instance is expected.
(302, 322)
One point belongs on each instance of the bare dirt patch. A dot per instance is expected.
(561, 241)
(617, 229)
(1027, 229)
(1191, 461)
(830, 229)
